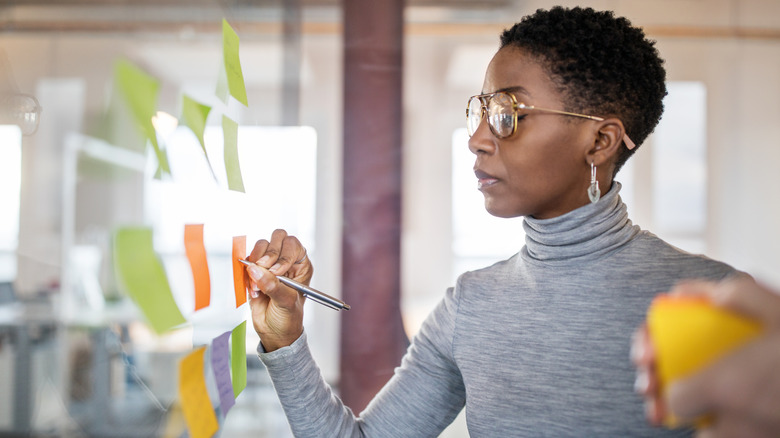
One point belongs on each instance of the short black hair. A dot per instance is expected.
(602, 64)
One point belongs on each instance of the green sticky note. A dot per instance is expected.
(232, 65)
(238, 358)
(195, 115)
(222, 85)
(141, 275)
(140, 92)
(232, 165)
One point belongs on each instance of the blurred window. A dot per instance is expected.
(10, 185)
(278, 166)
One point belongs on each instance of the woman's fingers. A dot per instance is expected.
(267, 284)
(741, 294)
(646, 384)
(747, 297)
(266, 253)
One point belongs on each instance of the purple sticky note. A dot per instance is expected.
(220, 354)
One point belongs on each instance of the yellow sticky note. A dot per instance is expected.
(232, 165)
(140, 92)
(689, 333)
(195, 115)
(231, 66)
(174, 423)
(194, 397)
(238, 358)
(141, 275)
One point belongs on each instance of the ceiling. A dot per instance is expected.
(204, 15)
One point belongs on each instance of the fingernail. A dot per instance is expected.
(263, 261)
(650, 411)
(275, 268)
(642, 382)
(253, 293)
(637, 351)
(255, 272)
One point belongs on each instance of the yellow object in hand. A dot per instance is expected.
(688, 333)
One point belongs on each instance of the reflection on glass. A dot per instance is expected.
(21, 110)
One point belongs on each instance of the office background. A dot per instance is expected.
(705, 181)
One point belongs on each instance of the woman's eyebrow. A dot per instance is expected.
(514, 89)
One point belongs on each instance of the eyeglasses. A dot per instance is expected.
(503, 111)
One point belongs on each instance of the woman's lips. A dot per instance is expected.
(484, 179)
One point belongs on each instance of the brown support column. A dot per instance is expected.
(372, 335)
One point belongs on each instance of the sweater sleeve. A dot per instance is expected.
(424, 395)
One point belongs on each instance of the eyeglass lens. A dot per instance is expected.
(500, 114)
(474, 116)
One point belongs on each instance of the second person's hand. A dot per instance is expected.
(277, 310)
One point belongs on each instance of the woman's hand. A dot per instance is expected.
(742, 389)
(277, 310)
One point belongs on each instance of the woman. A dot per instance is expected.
(537, 344)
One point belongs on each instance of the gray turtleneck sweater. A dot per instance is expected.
(536, 345)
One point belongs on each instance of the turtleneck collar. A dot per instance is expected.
(589, 231)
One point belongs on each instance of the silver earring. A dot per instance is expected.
(593, 190)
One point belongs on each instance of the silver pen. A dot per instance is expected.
(308, 292)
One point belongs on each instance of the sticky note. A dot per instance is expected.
(141, 275)
(175, 425)
(238, 358)
(194, 397)
(689, 333)
(239, 252)
(220, 363)
(232, 166)
(140, 92)
(196, 253)
(231, 78)
(195, 115)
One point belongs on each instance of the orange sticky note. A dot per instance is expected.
(195, 402)
(196, 253)
(239, 252)
(688, 333)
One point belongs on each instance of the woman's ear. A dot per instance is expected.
(607, 142)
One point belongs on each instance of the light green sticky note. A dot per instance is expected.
(232, 165)
(140, 92)
(238, 358)
(222, 85)
(141, 275)
(195, 115)
(232, 65)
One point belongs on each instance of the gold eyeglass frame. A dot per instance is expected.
(484, 98)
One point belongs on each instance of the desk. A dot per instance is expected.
(33, 327)
(28, 326)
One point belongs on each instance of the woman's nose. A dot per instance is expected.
(483, 140)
